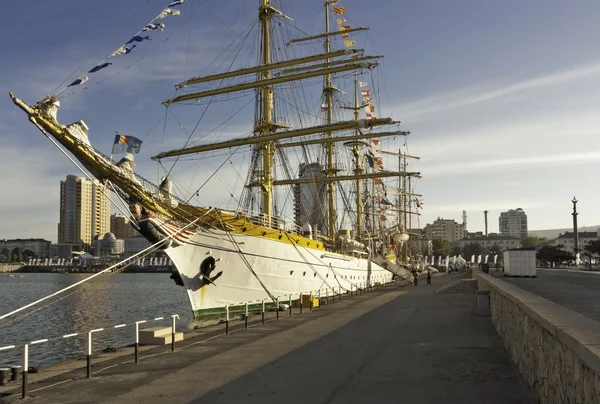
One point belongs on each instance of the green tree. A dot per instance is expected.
(472, 249)
(440, 246)
(532, 241)
(591, 248)
(28, 254)
(553, 254)
(455, 251)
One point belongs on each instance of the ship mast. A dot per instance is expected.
(330, 171)
(265, 125)
(357, 167)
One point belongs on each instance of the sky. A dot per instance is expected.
(500, 97)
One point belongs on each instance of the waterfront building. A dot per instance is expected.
(108, 245)
(38, 246)
(567, 240)
(513, 223)
(134, 245)
(63, 250)
(84, 211)
(309, 199)
(445, 229)
(121, 227)
(492, 242)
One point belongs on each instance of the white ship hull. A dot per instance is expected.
(255, 268)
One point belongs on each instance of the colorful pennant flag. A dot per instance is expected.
(151, 27)
(323, 107)
(123, 50)
(176, 3)
(349, 43)
(339, 10)
(79, 81)
(138, 38)
(345, 27)
(167, 12)
(365, 93)
(340, 20)
(99, 67)
(362, 83)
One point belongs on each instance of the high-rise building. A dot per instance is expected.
(445, 229)
(121, 227)
(513, 223)
(84, 211)
(309, 199)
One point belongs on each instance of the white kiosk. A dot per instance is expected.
(520, 262)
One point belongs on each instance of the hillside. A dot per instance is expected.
(551, 234)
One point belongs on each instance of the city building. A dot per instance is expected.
(309, 199)
(513, 223)
(567, 240)
(445, 229)
(108, 245)
(492, 242)
(39, 247)
(84, 211)
(121, 227)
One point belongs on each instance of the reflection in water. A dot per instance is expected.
(112, 300)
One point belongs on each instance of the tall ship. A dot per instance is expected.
(322, 207)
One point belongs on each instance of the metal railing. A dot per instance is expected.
(88, 335)
(249, 307)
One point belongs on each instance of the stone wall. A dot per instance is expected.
(556, 350)
(10, 267)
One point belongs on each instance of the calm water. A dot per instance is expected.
(111, 300)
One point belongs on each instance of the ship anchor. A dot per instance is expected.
(206, 268)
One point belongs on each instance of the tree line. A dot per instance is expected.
(546, 254)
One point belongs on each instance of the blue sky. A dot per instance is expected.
(501, 97)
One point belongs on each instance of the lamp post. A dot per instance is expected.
(575, 234)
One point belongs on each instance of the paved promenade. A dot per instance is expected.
(398, 345)
(574, 289)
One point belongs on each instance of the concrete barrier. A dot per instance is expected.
(556, 350)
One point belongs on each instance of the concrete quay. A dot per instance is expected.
(576, 290)
(401, 344)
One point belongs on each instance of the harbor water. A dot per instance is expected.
(112, 299)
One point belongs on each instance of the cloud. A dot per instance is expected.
(464, 98)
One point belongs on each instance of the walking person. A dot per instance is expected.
(428, 275)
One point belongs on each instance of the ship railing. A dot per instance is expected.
(24, 370)
(260, 219)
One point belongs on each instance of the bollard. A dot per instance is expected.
(227, 320)
(290, 305)
(333, 295)
(326, 296)
(15, 370)
(89, 355)
(277, 310)
(137, 340)
(310, 303)
(25, 367)
(263, 311)
(4, 376)
(173, 333)
(246, 317)
(301, 295)
(340, 290)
